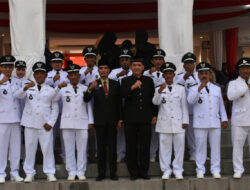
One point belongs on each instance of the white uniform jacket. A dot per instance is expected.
(22, 82)
(40, 106)
(156, 76)
(90, 77)
(239, 93)
(63, 78)
(209, 108)
(9, 105)
(173, 110)
(76, 114)
(114, 72)
(191, 81)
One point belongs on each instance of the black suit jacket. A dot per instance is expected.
(106, 111)
(138, 106)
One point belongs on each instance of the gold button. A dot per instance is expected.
(140, 100)
(210, 115)
(209, 101)
(38, 99)
(75, 115)
(140, 94)
(140, 108)
(75, 96)
(75, 102)
(38, 106)
(171, 101)
(75, 109)
(210, 108)
(37, 113)
(14, 108)
(172, 117)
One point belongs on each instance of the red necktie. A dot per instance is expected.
(105, 89)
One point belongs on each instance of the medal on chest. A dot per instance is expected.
(68, 99)
(163, 101)
(31, 97)
(5, 92)
(200, 100)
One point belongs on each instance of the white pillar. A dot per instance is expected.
(175, 23)
(27, 29)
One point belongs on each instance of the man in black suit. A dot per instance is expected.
(138, 91)
(107, 115)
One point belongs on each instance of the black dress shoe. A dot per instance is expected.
(114, 177)
(100, 178)
(145, 176)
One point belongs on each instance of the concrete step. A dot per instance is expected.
(226, 153)
(154, 170)
(189, 183)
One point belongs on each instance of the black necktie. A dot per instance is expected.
(57, 72)
(158, 74)
(207, 89)
(247, 82)
(39, 87)
(170, 88)
(10, 80)
(75, 89)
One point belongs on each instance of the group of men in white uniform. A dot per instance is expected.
(188, 104)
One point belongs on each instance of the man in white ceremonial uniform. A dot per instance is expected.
(117, 75)
(156, 74)
(10, 130)
(209, 116)
(54, 78)
(77, 117)
(89, 73)
(171, 123)
(238, 92)
(39, 116)
(20, 67)
(189, 78)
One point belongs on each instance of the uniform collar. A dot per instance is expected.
(243, 80)
(56, 71)
(42, 85)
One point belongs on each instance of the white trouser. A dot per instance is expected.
(45, 139)
(121, 144)
(75, 139)
(239, 136)
(190, 137)
(10, 139)
(56, 130)
(167, 141)
(201, 136)
(154, 145)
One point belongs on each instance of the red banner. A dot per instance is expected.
(231, 49)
